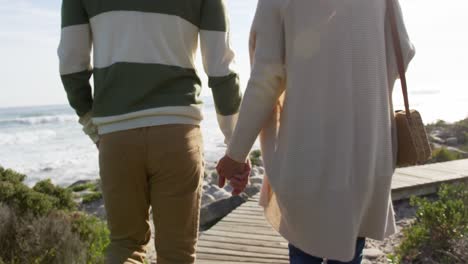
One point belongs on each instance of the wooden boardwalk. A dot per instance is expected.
(245, 237)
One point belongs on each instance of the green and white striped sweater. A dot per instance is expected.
(143, 58)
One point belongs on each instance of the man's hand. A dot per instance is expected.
(237, 173)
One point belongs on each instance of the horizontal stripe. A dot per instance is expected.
(214, 16)
(218, 56)
(186, 9)
(193, 112)
(74, 49)
(227, 125)
(89, 128)
(226, 93)
(73, 13)
(128, 36)
(78, 91)
(146, 122)
(204, 14)
(130, 87)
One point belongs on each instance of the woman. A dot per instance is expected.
(330, 156)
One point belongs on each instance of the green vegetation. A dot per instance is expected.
(91, 197)
(256, 158)
(40, 225)
(82, 187)
(443, 134)
(440, 232)
(443, 154)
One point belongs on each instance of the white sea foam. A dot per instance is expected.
(28, 137)
(39, 120)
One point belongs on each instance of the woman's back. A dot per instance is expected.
(337, 97)
(332, 162)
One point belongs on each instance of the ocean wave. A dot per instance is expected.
(40, 120)
(26, 137)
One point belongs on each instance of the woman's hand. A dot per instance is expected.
(236, 172)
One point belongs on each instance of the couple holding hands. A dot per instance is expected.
(319, 97)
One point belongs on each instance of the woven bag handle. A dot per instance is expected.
(398, 53)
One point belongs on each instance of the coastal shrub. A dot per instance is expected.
(256, 158)
(439, 234)
(40, 200)
(37, 240)
(39, 225)
(91, 197)
(8, 175)
(64, 198)
(94, 232)
(24, 200)
(443, 155)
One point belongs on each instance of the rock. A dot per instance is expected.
(211, 213)
(84, 193)
(373, 253)
(436, 139)
(210, 166)
(442, 134)
(366, 261)
(95, 208)
(214, 177)
(207, 199)
(256, 180)
(205, 186)
(452, 141)
(253, 189)
(80, 182)
(221, 194)
(212, 189)
(228, 188)
(261, 171)
(254, 172)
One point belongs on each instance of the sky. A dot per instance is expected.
(438, 78)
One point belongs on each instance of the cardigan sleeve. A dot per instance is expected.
(264, 86)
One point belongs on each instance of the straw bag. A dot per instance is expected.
(413, 144)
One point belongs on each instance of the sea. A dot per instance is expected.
(47, 142)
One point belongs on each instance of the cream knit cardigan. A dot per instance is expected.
(329, 151)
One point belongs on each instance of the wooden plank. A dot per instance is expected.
(242, 241)
(431, 174)
(245, 237)
(246, 230)
(253, 227)
(238, 259)
(243, 252)
(224, 262)
(259, 248)
(460, 166)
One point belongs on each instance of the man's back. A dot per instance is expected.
(145, 112)
(144, 72)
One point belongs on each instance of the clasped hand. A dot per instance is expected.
(236, 173)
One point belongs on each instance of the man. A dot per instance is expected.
(145, 113)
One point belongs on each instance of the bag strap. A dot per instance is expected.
(398, 53)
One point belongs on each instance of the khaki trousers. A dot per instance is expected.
(161, 167)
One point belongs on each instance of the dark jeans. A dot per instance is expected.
(297, 256)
